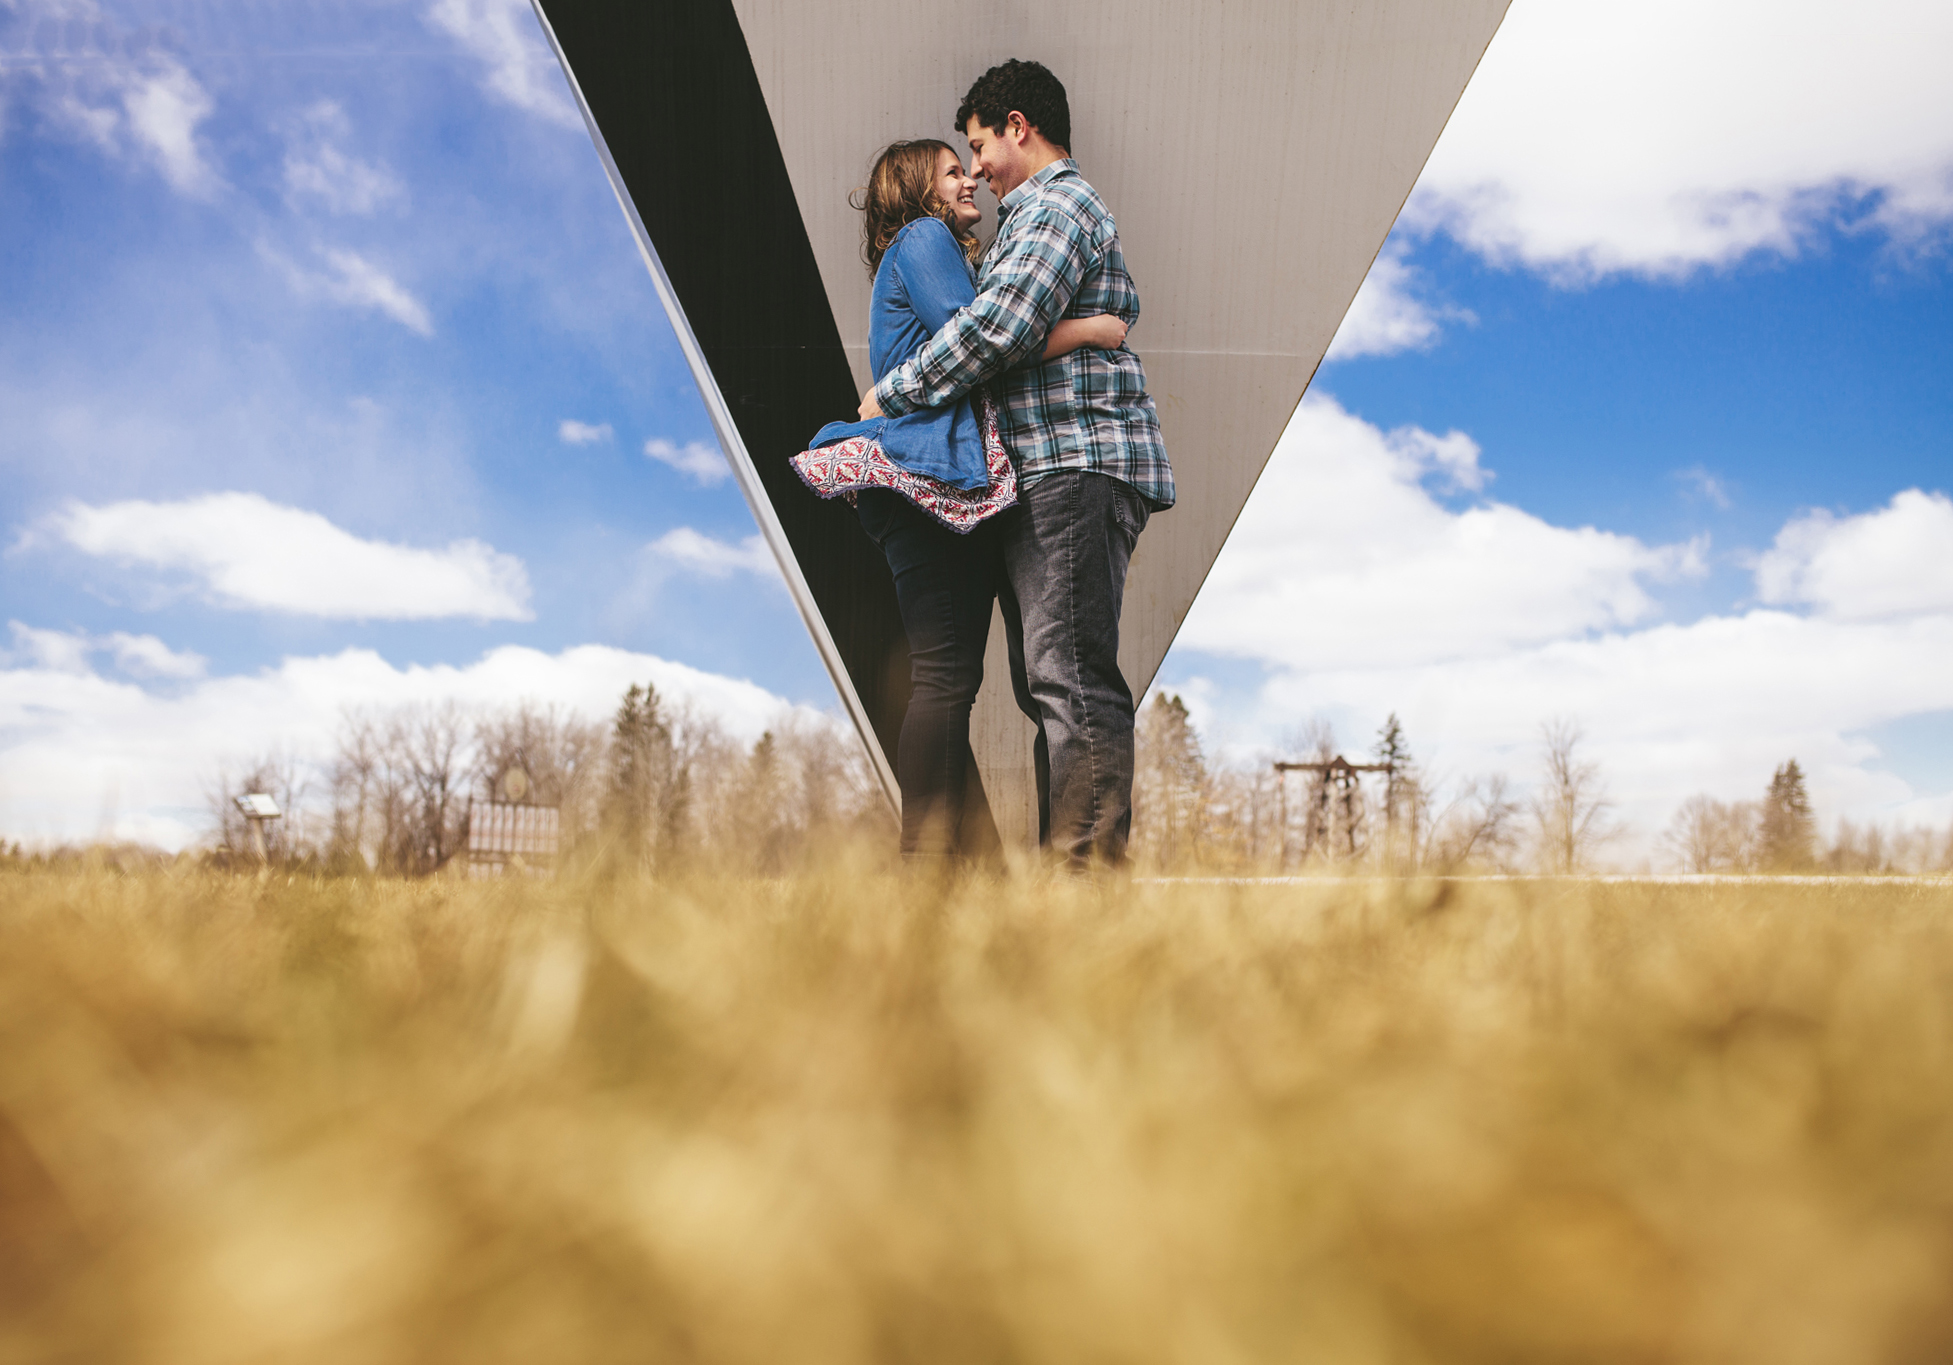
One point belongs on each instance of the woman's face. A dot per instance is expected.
(957, 190)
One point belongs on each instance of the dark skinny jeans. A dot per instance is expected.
(1065, 549)
(944, 585)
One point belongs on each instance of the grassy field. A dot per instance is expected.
(850, 1117)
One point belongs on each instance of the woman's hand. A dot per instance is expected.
(869, 407)
(1101, 331)
(1106, 331)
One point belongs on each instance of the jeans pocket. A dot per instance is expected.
(1130, 512)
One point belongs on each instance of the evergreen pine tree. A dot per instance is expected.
(1400, 790)
(762, 817)
(1788, 834)
(640, 771)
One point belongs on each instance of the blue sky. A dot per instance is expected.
(328, 374)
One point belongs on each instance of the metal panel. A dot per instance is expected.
(1255, 153)
(668, 94)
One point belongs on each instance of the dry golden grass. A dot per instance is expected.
(851, 1117)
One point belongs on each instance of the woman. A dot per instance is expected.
(925, 483)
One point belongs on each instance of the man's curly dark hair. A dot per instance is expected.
(1027, 87)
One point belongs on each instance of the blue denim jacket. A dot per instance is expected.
(922, 282)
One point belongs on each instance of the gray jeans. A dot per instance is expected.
(1066, 546)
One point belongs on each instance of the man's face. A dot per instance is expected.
(998, 154)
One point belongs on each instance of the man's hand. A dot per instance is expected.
(869, 407)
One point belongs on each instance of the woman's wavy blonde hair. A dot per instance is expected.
(902, 188)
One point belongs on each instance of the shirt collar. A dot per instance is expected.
(1062, 166)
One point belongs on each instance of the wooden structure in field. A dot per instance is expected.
(509, 836)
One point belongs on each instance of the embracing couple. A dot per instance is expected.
(1008, 453)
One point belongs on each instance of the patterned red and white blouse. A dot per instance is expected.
(846, 467)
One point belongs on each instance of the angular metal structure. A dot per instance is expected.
(1255, 153)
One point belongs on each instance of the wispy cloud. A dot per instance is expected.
(575, 433)
(355, 282)
(698, 553)
(248, 552)
(141, 656)
(359, 283)
(164, 107)
(1705, 485)
(521, 70)
(701, 463)
(117, 88)
(319, 170)
(146, 655)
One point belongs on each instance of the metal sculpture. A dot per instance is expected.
(1255, 154)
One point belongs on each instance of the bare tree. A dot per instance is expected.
(1571, 812)
(1243, 825)
(1708, 835)
(1171, 791)
(431, 745)
(1872, 848)
(360, 807)
(399, 785)
(542, 756)
(1479, 825)
(281, 777)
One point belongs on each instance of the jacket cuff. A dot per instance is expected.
(891, 401)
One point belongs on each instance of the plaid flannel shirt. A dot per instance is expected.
(1056, 256)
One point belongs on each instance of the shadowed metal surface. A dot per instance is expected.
(1255, 153)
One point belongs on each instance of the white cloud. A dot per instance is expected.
(317, 169)
(145, 655)
(1344, 556)
(1666, 135)
(249, 552)
(118, 90)
(1705, 485)
(52, 651)
(573, 432)
(164, 106)
(359, 283)
(503, 35)
(1669, 711)
(1387, 317)
(75, 744)
(702, 464)
(140, 656)
(1897, 561)
(1360, 593)
(700, 554)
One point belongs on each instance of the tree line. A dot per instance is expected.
(658, 785)
(1191, 810)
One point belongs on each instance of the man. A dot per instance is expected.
(1084, 435)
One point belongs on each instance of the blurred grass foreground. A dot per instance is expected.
(851, 1117)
